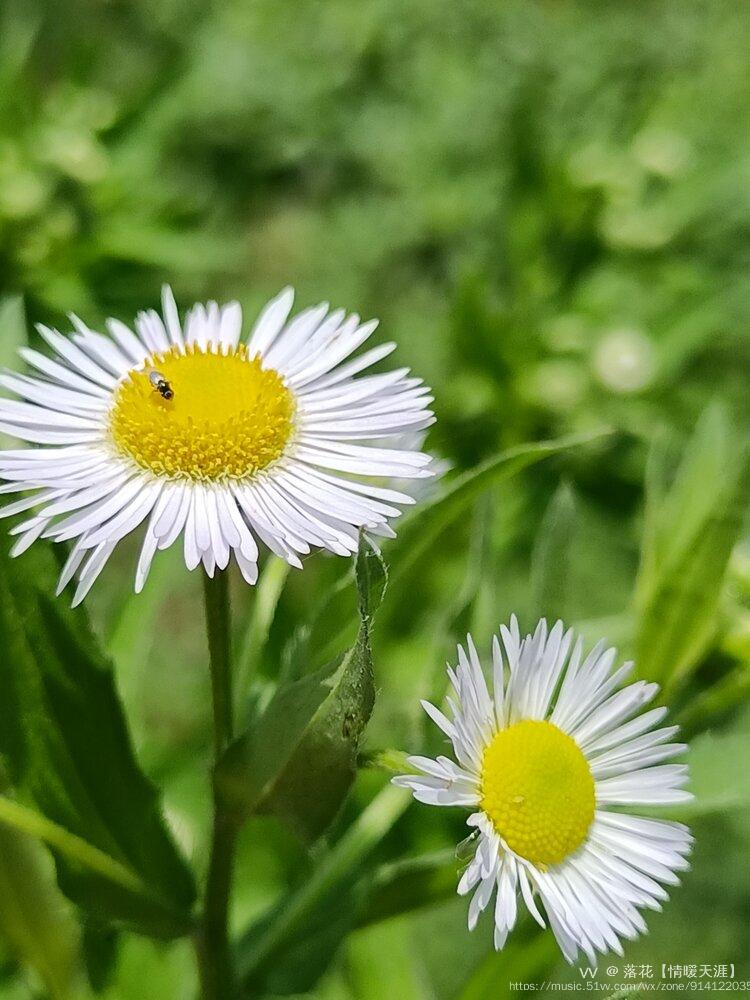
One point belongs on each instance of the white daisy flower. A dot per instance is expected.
(547, 763)
(204, 436)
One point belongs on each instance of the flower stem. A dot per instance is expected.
(212, 941)
(216, 597)
(214, 955)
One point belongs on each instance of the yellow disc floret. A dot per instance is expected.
(538, 790)
(226, 418)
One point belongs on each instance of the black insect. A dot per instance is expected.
(160, 384)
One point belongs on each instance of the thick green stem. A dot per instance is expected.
(214, 955)
(216, 595)
(212, 943)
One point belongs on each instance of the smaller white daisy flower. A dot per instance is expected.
(201, 435)
(543, 763)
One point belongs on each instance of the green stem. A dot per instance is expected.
(214, 954)
(212, 942)
(216, 597)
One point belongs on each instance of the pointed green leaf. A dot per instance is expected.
(100, 946)
(419, 531)
(66, 744)
(299, 758)
(521, 961)
(690, 530)
(550, 559)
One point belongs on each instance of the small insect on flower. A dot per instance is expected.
(554, 764)
(160, 384)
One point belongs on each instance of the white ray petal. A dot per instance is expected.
(270, 322)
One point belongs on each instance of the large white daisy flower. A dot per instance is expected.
(222, 442)
(547, 763)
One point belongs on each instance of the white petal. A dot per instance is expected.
(171, 317)
(270, 322)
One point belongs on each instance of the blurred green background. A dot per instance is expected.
(548, 206)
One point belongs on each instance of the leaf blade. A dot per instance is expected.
(35, 919)
(689, 535)
(66, 742)
(423, 527)
(299, 759)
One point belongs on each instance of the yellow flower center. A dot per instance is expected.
(226, 418)
(538, 791)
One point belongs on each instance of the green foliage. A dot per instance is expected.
(287, 951)
(13, 326)
(714, 756)
(420, 530)
(690, 530)
(255, 638)
(299, 759)
(65, 742)
(34, 918)
(12, 337)
(424, 527)
(550, 562)
(408, 884)
(71, 847)
(521, 962)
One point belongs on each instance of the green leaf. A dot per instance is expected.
(521, 961)
(289, 949)
(704, 706)
(550, 559)
(408, 884)
(386, 955)
(35, 918)
(419, 531)
(716, 780)
(299, 759)
(13, 335)
(262, 611)
(100, 947)
(73, 848)
(65, 741)
(689, 532)
(13, 332)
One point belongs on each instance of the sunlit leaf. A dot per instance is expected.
(385, 954)
(520, 961)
